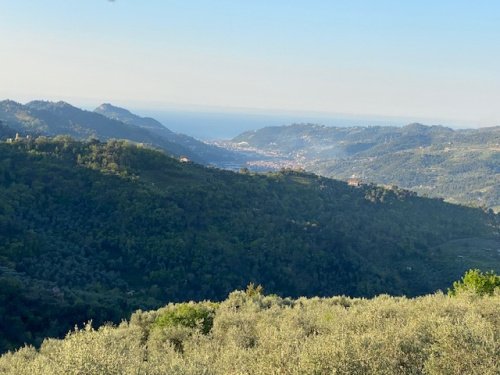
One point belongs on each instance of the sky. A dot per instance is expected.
(423, 60)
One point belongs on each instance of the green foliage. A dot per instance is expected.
(254, 290)
(261, 334)
(106, 122)
(97, 230)
(476, 282)
(187, 315)
(458, 165)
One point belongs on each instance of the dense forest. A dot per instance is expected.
(462, 166)
(253, 333)
(92, 230)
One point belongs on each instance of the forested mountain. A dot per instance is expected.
(124, 115)
(210, 153)
(459, 165)
(50, 118)
(96, 230)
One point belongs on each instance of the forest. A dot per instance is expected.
(459, 165)
(249, 187)
(96, 230)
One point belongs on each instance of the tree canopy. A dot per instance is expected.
(92, 230)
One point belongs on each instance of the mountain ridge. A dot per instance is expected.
(212, 154)
(40, 117)
(92, 230)
(124, 115)
(432, 160)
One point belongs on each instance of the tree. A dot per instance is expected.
(477, 282)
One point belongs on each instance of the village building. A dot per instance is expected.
(354, 181)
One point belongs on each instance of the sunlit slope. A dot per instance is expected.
(249, 333)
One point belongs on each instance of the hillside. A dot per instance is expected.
(250, 333)
(6, 132)
(459, 165)
(95, 230)
(210, 153)
(124, 115)
(107, 122)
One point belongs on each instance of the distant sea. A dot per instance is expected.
(226, 125)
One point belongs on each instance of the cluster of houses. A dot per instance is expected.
(18, 138)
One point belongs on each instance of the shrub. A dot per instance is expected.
(188, 315)
(476, 282)
(387, 335)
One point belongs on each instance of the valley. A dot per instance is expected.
(461, 166)
(95, 230)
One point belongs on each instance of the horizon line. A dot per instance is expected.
(155, 106)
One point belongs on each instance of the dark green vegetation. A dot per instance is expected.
(106, 122)
(96, 230)
(6, 132)
(250, 333)
(462, 166)
(459, 165)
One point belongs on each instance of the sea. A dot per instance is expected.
(213, 125)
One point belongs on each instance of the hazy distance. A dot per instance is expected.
(424, 59)
(213, 125)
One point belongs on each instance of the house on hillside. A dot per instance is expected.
(184, 159)
(354, 181)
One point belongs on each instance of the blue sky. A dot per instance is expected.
(430, 60)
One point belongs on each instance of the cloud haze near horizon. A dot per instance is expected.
(419, 60)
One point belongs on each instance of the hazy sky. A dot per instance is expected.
(418, 59)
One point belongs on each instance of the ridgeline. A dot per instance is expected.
(92, 230)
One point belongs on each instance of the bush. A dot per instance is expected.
(476, 282)
(188, 315)
(260, 334)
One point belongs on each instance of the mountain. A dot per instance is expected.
(210, 153)
(49, 118)
(124, 115)
(92, 230)
(462, 166)
(109, 122)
